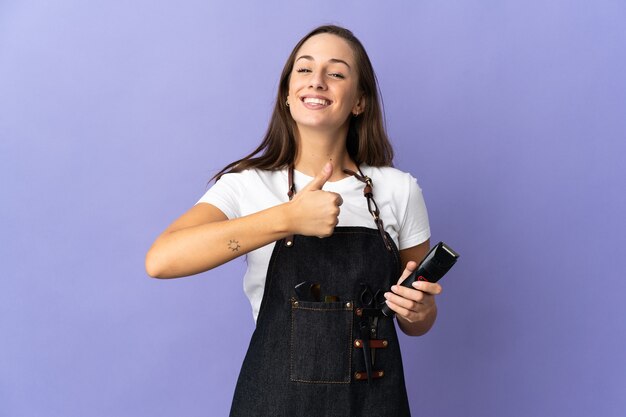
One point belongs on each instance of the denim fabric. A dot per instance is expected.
(301, 360)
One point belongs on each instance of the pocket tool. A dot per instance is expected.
(308, 291)
(371, 303)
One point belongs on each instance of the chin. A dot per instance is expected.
(319, 123)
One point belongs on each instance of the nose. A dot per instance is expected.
(317, 81)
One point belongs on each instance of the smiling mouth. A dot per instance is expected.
(314, 100)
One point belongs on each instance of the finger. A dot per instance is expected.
(338, 199)
(399, 310)
(409, 293)
(404, 302)
(320, 179)
(428, 287)
(410, 267)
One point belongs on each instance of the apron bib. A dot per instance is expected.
(311, 352)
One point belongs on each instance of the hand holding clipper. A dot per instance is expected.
(435, 265)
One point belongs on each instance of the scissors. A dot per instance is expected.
(373, 301)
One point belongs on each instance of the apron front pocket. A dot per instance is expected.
(321, 342)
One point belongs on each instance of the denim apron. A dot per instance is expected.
(309, 357)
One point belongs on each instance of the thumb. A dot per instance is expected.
(320, 179)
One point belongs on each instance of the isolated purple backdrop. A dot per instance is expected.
(113, 116)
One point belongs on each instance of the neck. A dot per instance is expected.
(316, 148)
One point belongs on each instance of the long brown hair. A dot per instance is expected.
(367, 141)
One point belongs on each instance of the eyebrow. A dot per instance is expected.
(333, 60)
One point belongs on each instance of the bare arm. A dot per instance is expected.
(204, 237)
(415, 309)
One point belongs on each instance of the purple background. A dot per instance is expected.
(113, 116)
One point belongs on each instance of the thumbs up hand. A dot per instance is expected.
(315, 212)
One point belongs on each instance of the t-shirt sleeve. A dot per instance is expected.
(225, 194)
(414, 228)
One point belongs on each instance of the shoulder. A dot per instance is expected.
(391, 178)
(252, 177)
(258, 185)
(403, 195)
(245, 192)
(248, 182)
(399, 189)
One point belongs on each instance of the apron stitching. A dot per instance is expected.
(323, 309)
(350, 324)
(321, 382)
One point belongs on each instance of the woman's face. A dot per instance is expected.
(323, 85)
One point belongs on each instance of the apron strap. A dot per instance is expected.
(367, 192)
(371, 203)
(290, 194)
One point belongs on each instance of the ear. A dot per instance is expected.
(359, 106)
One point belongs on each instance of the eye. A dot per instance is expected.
(337, 75)
(303, 70)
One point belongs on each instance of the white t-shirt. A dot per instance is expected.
(397, 194)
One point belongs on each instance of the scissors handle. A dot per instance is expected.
(367, 298)
(371, 300)
(379, 298)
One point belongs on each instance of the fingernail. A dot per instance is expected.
(387, 295)
(394, 288)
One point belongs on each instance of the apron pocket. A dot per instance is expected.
(321, 342)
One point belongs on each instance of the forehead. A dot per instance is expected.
(326, 46)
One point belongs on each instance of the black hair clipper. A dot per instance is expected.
(435, 265)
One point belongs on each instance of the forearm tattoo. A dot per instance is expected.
(233, 245)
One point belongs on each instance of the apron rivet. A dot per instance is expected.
(380, 373)
(348, 305)
(289, 243)
(357, 343)
(295, 304)
(357, 375)
(384, 343)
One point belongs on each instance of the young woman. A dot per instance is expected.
(327, 225)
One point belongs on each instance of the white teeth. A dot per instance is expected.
(313, 100)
